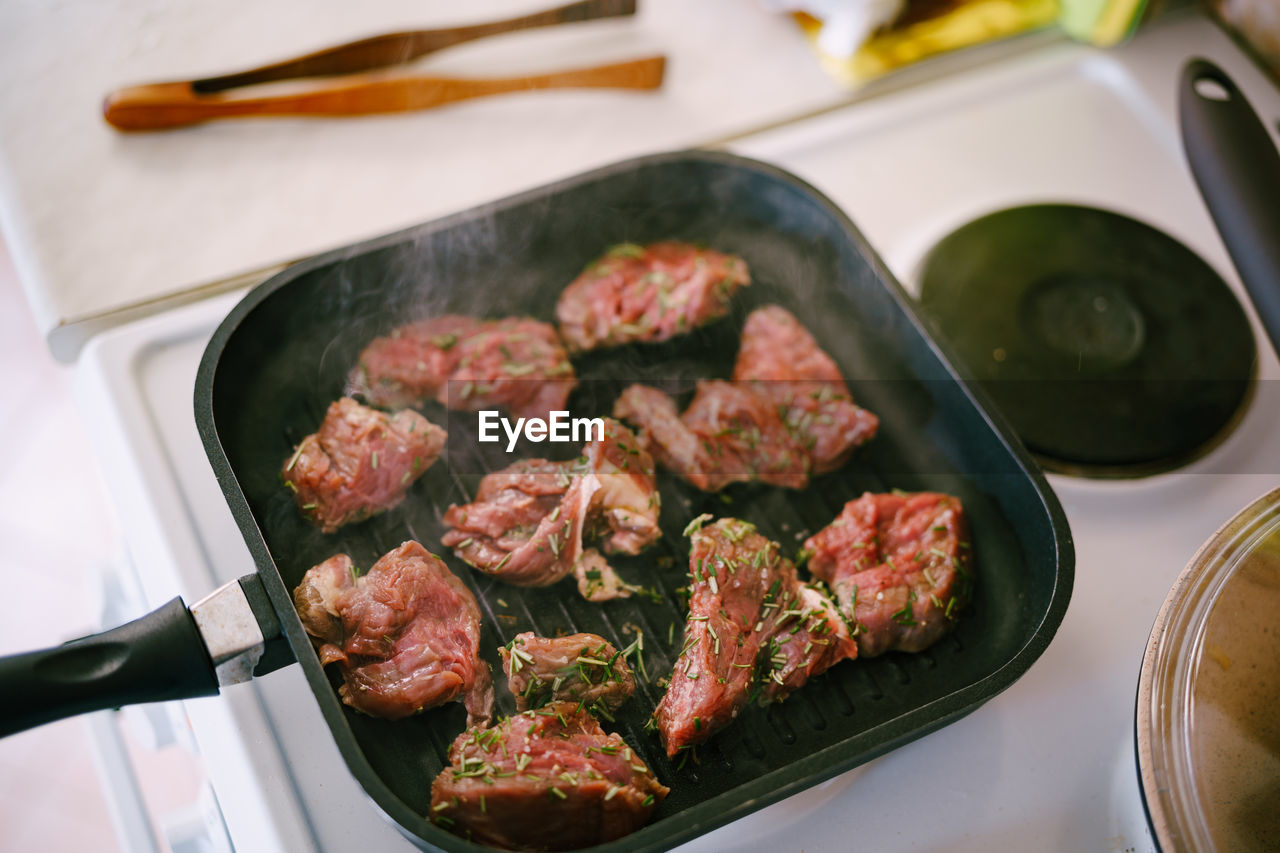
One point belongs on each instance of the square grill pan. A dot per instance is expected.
(283, 354)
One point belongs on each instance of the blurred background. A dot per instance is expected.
(57, 533)
(59, 527)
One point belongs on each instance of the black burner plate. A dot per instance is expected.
(1113, 349)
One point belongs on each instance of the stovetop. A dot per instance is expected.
(1045, 765)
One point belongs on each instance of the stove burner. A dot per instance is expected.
(1087, 319)
(1114, 350)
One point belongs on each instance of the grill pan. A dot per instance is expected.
(282, 355)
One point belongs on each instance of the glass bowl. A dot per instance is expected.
(1208, 710)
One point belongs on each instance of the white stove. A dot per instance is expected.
(1045, 765)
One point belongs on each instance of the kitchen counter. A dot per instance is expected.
(103, 225)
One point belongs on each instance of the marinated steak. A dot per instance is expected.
(781, 360)
(673, 444)
(549, 779)
(786, 415)
(648, 293)
(900, 568)
(583, 668)
(808, 636)
(516, 363)
(528, 521)
(753, 632)
(406, 634)
(360, 462)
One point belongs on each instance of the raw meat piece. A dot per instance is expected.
(786, 416)
(597, 581)
(528, 521)
(360, 462)
(900, 567)
(805, 643)
(668, 439)
(515, 362)
(406, 635)
(648, 293)
(781, 360)
(753, 632)
(729, 434)
(629, 503)
(578, 668)
(549, 779)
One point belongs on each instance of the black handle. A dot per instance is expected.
(1237, 169)
(158, 657)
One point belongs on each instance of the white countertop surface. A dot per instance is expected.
(102, 223)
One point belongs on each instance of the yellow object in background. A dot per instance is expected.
(971, 22)
(968, 24)
(1101, 22)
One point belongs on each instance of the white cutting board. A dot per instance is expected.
(101, 222)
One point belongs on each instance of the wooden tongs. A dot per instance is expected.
(166, 105)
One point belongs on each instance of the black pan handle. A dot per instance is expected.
(157, 657)
(1237, 168)
(229, 636)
